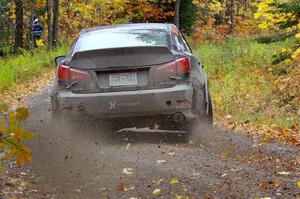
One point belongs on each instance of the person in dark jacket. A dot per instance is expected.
(37, 29)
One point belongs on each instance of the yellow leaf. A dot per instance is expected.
(22, 114)
(27, 154)
(128, 146)
(298, 184)
(178, 196)
(174, 181)
(225, 155)
(20, 160)
(26, 135)
(156, 192)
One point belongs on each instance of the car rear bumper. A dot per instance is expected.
(165, 101)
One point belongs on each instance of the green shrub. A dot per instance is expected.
(238, 72)
(14, 70)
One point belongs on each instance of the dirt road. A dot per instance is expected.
(85, 160)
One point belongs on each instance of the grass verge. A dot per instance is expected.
(242, 83)
(15, 70)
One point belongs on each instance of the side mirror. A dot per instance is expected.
(59, 59)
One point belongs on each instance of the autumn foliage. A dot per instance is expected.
(12, 135)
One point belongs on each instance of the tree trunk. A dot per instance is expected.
(232, 16)
(30, 32)
(55, 22)
(49, 24)
(19, 24)
(177, 12)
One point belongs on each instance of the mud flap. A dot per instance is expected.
(197, 86)
(206, 97)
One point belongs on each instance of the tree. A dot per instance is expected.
(19, 24)
(49, 17)
(55, 22)
(283, 18)
(5, 27)
(231, 13)
(187, 16)
(177, 13)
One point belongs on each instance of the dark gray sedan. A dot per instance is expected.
(132, 71)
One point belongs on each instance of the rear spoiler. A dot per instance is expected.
(121, 57)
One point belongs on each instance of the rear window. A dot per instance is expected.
(114, 38)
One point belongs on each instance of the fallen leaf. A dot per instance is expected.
(127, 171)
(195, 173)
(161, 161)
(228, 116)
(225, 174)
(208, 197)
(263, 185)
(178, 196)
(23, 173)
(174, 181)
(225, 155)
(157, 182)
(123, 187)
(128, 146)
(107, 165)
(171, 153)
(298, 184)
(102, 189)
(294, 141)
(191, 142)
(284, 173)
(156, 192)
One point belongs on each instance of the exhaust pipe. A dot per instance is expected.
(179, 117)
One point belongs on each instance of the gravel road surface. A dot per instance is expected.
(83, 159)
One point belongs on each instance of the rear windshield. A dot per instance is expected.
(114, 38)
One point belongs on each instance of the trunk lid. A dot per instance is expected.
(121, 57)
(124, 69)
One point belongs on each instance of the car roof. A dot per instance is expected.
(148, 26)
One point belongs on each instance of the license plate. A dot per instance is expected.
(123, 79)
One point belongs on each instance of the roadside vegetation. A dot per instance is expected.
(247, 89)
(16, 70)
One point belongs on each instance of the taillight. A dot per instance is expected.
(166, 69)
(67, 73)
(63, 72)
(179, 66)
(76, 74)
(183, 65)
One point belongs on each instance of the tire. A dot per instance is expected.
(209, 116)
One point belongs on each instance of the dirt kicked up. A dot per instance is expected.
(85, 160)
